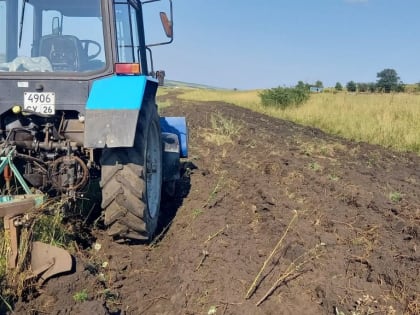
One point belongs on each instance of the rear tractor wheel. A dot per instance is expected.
(132, 180)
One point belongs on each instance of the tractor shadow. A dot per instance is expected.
(170, 204)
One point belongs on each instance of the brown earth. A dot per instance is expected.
(336, 221)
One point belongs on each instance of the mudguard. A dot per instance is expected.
(175, 146)
(112, 110)
(177, 126)
(170, 158)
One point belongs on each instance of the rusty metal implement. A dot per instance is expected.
(46, 260)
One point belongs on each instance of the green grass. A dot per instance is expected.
(395, 197)
(197, 212)
(390, 120)
(50, 230)
(80, 296)
(315, 166)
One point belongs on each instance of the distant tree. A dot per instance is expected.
(319, 84)
(400, 87)
(283, 97)
(388, 80)
(302, 85)
(338, 86)
(362, 87)
(351, 86)
(372, 87)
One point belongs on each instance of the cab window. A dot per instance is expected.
(127, 32)
(51, 36)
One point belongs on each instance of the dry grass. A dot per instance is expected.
(222, 131)
(390, 120)
(242, 98)
(293, 269)
(254, 284)
(160, 98)
(14, 281)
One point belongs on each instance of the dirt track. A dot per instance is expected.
(346, 241)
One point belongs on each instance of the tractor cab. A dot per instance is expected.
(44, 36)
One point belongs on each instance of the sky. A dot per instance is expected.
(256, 44)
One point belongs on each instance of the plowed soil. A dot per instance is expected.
(267, 212)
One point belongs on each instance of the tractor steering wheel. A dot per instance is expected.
(85, 46)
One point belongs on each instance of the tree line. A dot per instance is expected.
(282, 97)
(387, 81)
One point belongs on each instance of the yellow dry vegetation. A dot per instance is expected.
(390, 120)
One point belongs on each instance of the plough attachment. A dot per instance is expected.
(46, 260)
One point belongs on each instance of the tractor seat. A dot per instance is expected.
(63, 51)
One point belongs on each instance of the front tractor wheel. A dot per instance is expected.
(132, 180)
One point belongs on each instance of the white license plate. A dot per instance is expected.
(43, 103)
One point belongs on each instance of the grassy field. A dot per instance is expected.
(390, 120)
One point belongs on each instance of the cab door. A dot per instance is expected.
(130, 33)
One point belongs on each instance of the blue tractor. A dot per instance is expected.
(78, 102)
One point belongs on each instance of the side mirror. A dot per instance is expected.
(167, 25)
